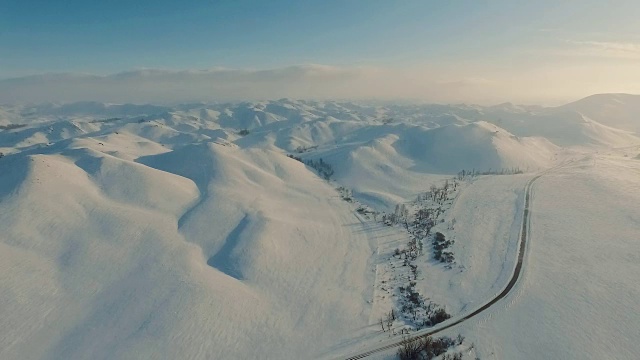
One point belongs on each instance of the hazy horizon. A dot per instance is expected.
(484, 52)
(308, 82)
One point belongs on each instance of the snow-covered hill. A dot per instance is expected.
(144, 231)
(387, 163)
(201, 251)
(615, 110)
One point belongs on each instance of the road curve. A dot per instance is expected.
(524, 235)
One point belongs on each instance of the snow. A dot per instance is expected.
(615, 110)
(143, 231)
(578, 296)
(120, 263)
(487, 213)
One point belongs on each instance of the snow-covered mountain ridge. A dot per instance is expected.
(206, 230)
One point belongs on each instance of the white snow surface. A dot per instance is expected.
(578, 294)
(616, 110)
(156, 232)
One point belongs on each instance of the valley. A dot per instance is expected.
(196, 230)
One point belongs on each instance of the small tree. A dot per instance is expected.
(390, 318)
(411, 349)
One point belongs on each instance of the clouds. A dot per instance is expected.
(222, 84)
(152, 85)
(606, 49)
(448, 83)
(426, 82)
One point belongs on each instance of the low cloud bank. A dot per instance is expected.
(445, 85)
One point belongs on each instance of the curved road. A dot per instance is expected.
(524, 234)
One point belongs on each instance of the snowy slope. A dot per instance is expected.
(390, 163)
(615, 110)
(564, 128)
(578, 297)
(235, 253)
(144, 231)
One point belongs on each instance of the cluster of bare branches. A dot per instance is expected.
(413, 307)
(399, 216)
(469, 174)
(345, 194)
(427, 348)
(440, 243)
(12, 126)
(303, 149)
(323, 168)
(386, 322)
(418, 309)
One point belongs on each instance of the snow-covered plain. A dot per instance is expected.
(140, 231)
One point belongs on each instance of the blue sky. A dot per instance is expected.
(481, 38)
